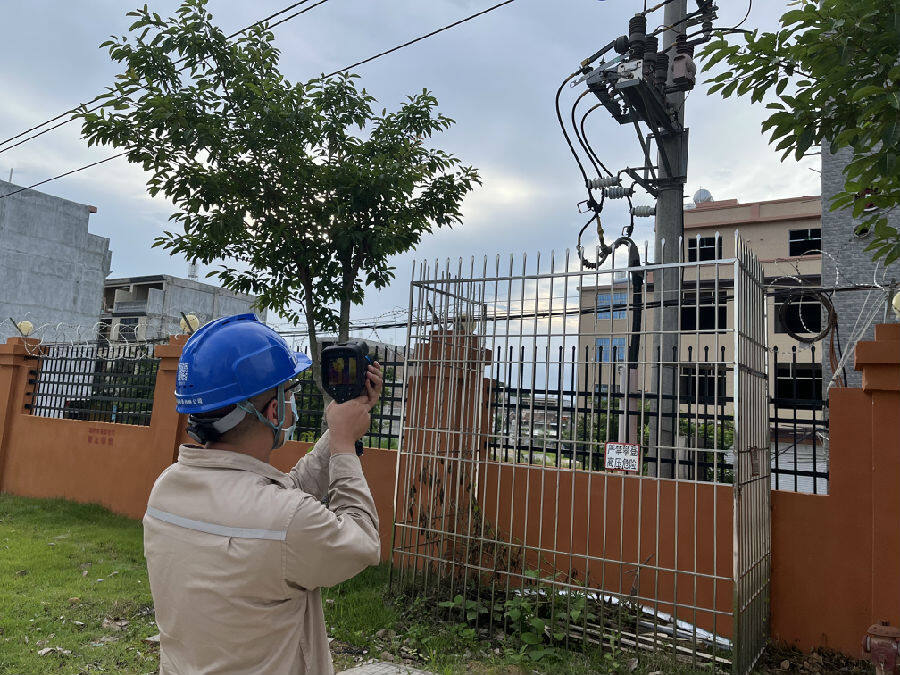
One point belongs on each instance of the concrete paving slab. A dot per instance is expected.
(383, 668)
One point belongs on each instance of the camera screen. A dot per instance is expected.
(342, 371)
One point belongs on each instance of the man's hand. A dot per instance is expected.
(374, 385)
(349, 421)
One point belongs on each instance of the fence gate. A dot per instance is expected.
(574, 471)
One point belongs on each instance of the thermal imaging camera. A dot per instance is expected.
(344, 369)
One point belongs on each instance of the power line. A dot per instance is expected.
(100, 96)
(421, 37)
(62, 175)
(350, 67)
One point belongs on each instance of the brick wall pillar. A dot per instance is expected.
(15, 362)
(879, 362)
(447, 419)
(168, 426)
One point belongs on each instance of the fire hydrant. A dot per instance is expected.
(881, 646)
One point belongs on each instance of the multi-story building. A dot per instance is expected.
(51, 268)
(786, 235)
(152, 307)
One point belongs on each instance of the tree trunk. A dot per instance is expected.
(344, 324)
(314, 353)
(347, 284)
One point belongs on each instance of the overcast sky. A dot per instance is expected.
(496, 76)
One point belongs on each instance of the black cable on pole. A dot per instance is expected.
(587, 143)
(99, 96)
(578, 135)
(420, 38)
(657, 6)
(562, 126)
(736, 28)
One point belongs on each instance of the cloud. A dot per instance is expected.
(496, 76)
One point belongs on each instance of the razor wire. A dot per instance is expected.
(39, 336)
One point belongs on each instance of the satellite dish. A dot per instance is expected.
(702, 196)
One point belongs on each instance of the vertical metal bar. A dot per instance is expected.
(404, 391)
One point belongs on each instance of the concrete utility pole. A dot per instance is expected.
(669, 228)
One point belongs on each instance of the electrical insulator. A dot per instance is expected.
(684, 70)
(637, 35)
(597, 183)
(643, 211)
(618, 192)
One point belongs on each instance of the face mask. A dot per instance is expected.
(289, 431)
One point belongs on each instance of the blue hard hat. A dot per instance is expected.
(230, 360)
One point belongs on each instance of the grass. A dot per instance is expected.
(73, 577)
(68, 572)
(367, 622)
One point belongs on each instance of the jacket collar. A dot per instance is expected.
(195, 455)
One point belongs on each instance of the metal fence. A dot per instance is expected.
(552, 424)
(513, 504)
(95, 382)
(385, 429)
(798, 421)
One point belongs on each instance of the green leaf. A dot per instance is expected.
(868, 90)
(530, 638)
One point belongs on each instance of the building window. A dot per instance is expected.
(803, 315)
(706, 247)
(799, 381)
(128, 329)
(697, 384)
(703, 315)
(610, 349)
(801, 242)
(608, 305)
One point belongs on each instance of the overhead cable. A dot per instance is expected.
(350, 67)
(97, 98)
(420, 38)
(62, 175)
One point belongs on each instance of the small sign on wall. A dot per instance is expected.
(622, 457)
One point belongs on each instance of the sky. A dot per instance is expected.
(495, 76)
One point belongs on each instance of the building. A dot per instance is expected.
(846, 263)
(151, 307)
(786, 235)
(51, 268)
(696, 381)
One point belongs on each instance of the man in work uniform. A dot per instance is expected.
(237, 550)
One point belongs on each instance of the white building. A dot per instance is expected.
(151, 307)
(51, 268)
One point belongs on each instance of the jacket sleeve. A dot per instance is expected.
(327, 545)
(310, 474)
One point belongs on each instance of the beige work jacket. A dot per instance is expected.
(237, 551)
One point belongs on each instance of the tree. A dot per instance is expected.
(833, 70)
(302, 189)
